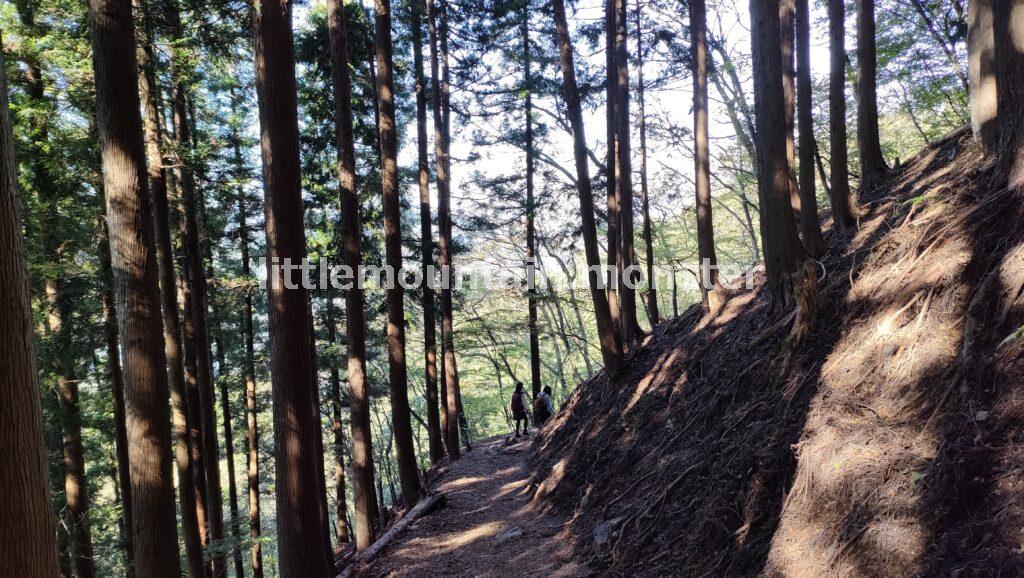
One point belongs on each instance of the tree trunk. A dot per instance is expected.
(152, 126)
(531, 211)
(612, 168)
(780, 242)
(355, 324)
(252, 458)
(872, 163)
(810, 225)
(397, 370)
(434, 435)
(1009, 48)
(786, 37)
(29, 546)
(134, 262)
(701, 154)
(298, 501)
(116, 377)
(981, 69)
(196, 283)
(437, 25)
(652, 290)
(229, 452)
(611, 346)
(842, 210)
(337, 427)
(624, 179)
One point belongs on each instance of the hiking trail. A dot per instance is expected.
(489, 527)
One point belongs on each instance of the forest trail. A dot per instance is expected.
(490, 525)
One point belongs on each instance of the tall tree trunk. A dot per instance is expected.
(611, 346)
(299, 508)
(652, 292)
(337, 427)
(702, 154)
(981, 69)
(786, 37)
(252, 457)
(624, 178)
(842, 210)
(116, 377)
(1008, 18)
(437, 25)
(434, 435)
(397, 369)
(195, 280)
(134, 262)
(531, 211)
(612, 168)
(779, 239)
(229, 452)
(152, 126)
(355, 324)
(810, 225)
(872, 163)
(29, 546)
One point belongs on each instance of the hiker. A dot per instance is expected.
(519, 410)
(543, 407)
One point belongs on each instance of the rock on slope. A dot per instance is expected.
(890, 443)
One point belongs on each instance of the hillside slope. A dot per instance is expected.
(889, 444)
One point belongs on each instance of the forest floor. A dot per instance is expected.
(490, 525)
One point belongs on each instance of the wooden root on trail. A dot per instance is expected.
(424, 507)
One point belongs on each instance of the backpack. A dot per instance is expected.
(517, 403)
(540, 407)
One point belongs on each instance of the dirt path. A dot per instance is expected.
(489, 526)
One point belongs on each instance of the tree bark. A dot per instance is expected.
(434, 435)
(612, 169)
(196, 283)
(842, 210)
(652, 291)
(872, 163)
(298, 502)
(981, 70)
(133, 258)
(780, 242)
(531, 211)
(786, 35)
(611, 346)
(397, 370)
(152, 126)
(624, 179)
(810, 225)
(355, 324)
(1008, 18)
(701, 153)
(438, 57)
(252, 457)
(29, 546)
(337, 428)
(229, 452)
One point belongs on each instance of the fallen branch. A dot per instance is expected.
(361, 560)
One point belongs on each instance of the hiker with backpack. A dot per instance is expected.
(519, 409)
(543, 407)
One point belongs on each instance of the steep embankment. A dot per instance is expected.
(889, 444)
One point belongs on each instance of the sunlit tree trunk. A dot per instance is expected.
(624, 178)
(842, 211)
(1008, 18)
(981, 70)
(611, 346)
(872, 163)
(612, 167)
(434, 435)
(810, 225)
(29, 546)
(783, 253)
(786, 37)
(134, 262)
(701, 151)
(355, 324)
(300, 550)
(531, 210)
